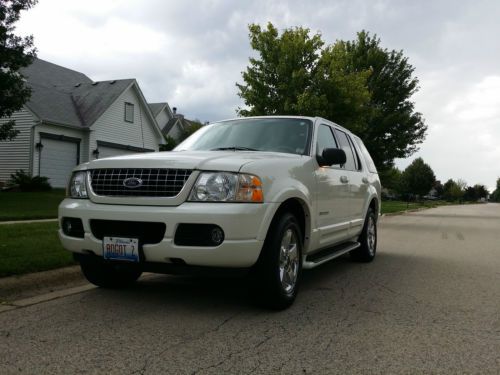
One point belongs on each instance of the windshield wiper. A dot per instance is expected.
(234, 148)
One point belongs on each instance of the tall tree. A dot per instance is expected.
(15, 53)
(357, 84)
(391, 179)
(294, 75)
(495, 196)
(454, 190)
(281, 73)
(418, 178)
(393, 129)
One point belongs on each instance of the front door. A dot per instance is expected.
(333, 200)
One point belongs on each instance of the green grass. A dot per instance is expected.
(400, 206)
(26, 206)
(34, 247)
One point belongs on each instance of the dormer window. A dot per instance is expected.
(129, 112)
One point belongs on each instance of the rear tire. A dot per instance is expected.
(368, 240)
(278, 270)
(107, 275)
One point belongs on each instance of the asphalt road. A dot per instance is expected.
(429, 303)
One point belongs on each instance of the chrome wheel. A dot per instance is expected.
(289, 261)
(371, 237)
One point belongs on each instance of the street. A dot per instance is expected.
(429, 303)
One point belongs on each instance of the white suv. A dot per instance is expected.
(270, 195)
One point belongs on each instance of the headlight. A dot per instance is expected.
(78, 185)
(227, 187)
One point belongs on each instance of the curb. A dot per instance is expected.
(29, 285)
(406, 211)
(27, 221)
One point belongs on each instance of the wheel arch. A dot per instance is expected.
(299, 208)
(374, 205)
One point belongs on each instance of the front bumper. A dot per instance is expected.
(245, 227)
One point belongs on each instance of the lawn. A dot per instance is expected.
(31, 247)
(399, 206)
(25, 206)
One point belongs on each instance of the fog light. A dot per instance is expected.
(199, 235)
(217, 236)
(72, 227)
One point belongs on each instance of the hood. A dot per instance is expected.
(230, 161)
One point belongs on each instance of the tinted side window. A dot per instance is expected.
(344, 145)
(325, 139)
(369, 162)
(357, 160)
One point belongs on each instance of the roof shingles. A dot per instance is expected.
(64, 96)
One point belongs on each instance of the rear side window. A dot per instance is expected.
(344, 144)
(357, 160)
(369, 162)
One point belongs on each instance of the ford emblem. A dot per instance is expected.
(132, 182)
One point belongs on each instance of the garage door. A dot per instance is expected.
(106, 152)
(58, 158)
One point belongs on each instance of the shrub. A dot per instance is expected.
(24, 182)
(169, 145)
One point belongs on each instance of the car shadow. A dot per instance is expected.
(154, 291)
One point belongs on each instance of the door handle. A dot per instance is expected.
(344, 179)
(364, 180)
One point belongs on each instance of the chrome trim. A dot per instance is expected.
(156, 182)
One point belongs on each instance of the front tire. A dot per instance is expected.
(279, 267)
(368, 240)
(107, 275)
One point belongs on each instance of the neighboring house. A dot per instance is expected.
(171, 123)
(70, 119)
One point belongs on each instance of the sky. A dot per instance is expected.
(191, 54)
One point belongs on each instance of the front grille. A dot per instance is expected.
(155, 182)
(146, 232)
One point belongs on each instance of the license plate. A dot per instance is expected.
(120, 248)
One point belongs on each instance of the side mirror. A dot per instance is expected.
(332, 156)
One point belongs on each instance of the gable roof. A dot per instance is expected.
(54, 106)
(169, 125)
(65, 97)
(46, 74)
(156, 107)
(92, 99)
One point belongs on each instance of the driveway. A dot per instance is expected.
(429, 303)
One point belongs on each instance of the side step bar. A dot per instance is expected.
(322, 256)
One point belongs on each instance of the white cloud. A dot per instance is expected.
(480, 104)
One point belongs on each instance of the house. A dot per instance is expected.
(71, 119)
(172, 124)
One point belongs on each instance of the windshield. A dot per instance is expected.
(289, 135)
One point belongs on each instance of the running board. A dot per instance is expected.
(323, 256)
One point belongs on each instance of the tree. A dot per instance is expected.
(15, 53)
(393, 129)
(481, 191)
(358, 84)
(495, 196)
(454, 191)
(190, 129)
(283, 71)
(169, 145)
(418, 178)
(470, 194)
(438, 187)
(391, 179)
(476, 192)
(294, 75)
